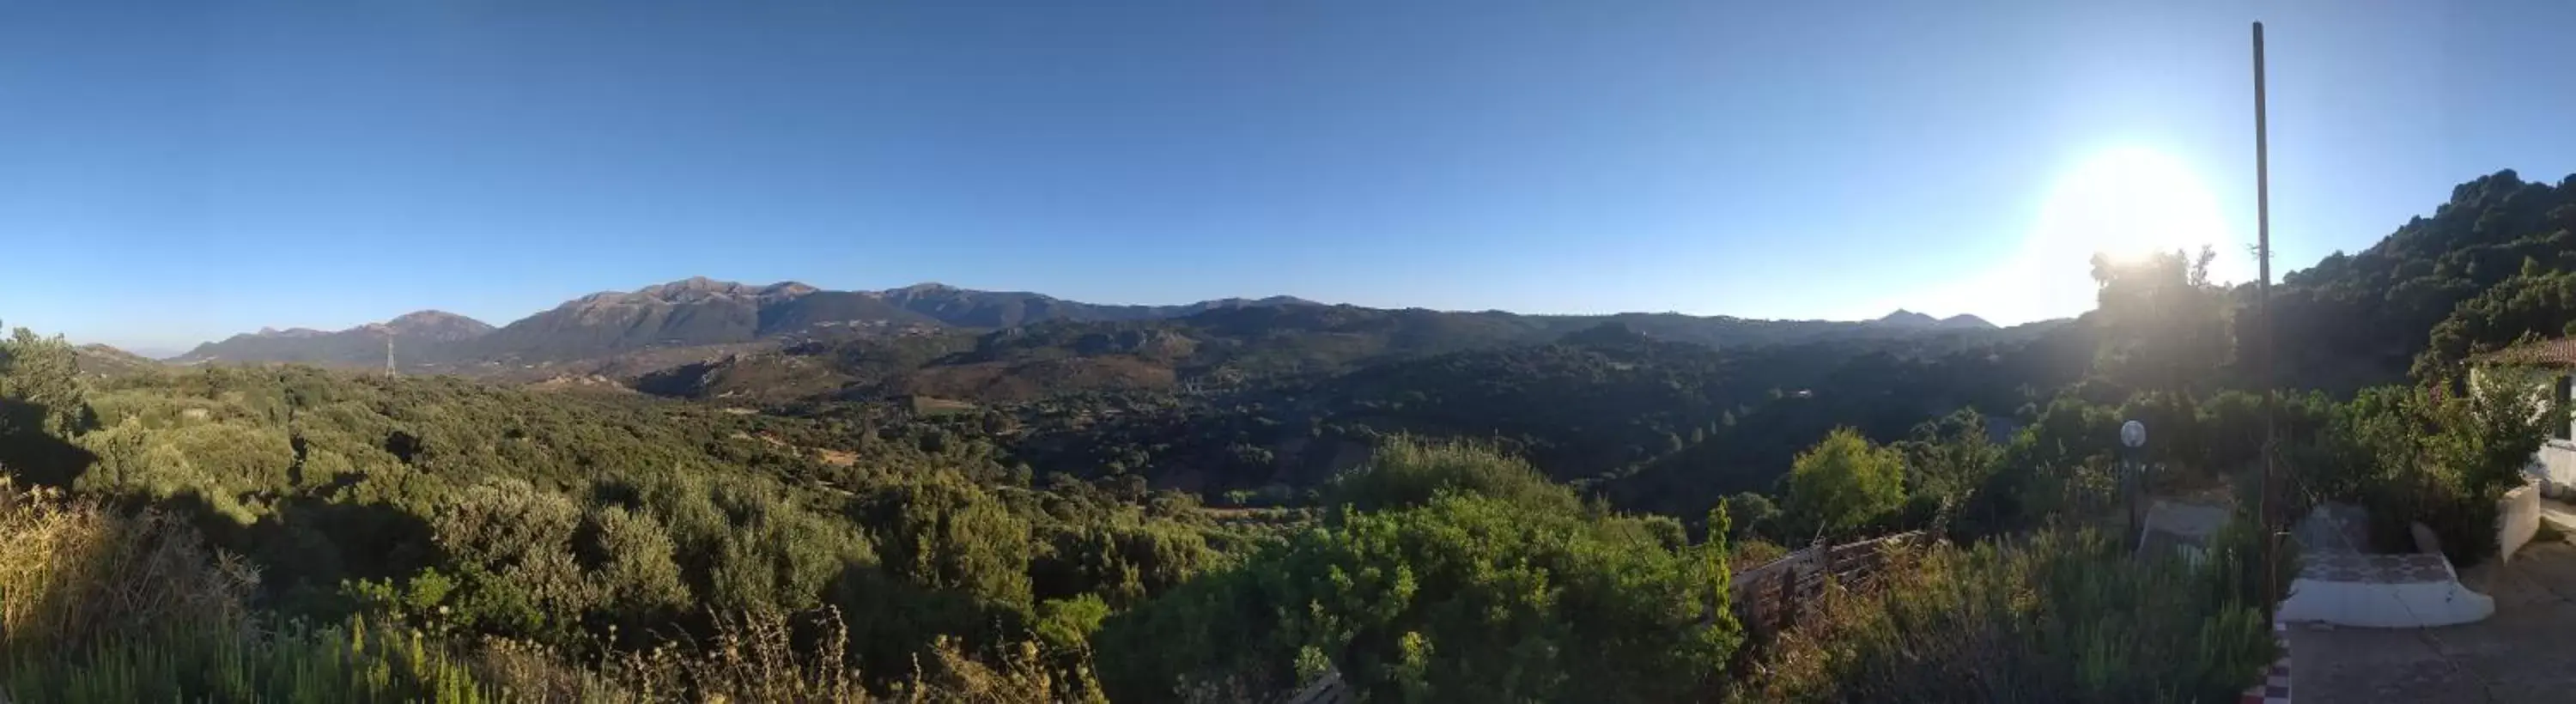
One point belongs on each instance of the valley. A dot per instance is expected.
(1263, 396)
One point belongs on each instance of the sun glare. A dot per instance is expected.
(2128, 203)
(2125, 203)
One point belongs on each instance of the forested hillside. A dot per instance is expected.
(2487, 268)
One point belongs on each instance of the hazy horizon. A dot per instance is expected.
(204, 171)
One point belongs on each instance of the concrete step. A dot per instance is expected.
(2558, 515)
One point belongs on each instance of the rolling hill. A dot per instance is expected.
(102, 360)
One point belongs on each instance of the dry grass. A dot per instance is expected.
(72, 571)
(753, 658)
(757, 658)
(1022, 678)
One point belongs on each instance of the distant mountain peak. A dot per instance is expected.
(695, 288)
(694, 284)
(1907, 318)
(429, 317)
(1903, 318)
(787, 288)
(1270, 301)
(432, 324)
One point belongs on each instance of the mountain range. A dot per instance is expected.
(704, 312)
(695, 311)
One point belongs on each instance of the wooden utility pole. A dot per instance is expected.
(2263, 303)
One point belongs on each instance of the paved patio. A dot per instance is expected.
(2526, 652)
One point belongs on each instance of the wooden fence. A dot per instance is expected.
(1772, 596)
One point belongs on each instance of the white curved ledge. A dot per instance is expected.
(2383, 591)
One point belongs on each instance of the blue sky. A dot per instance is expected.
(175, 172)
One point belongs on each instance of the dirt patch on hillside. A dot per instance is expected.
(836, 458)
(590, 382)
(1023, 381)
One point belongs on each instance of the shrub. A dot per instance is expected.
(943, 532)
(631, 557)
(2411, 455)
(512, 545)
(2064, 616)
(1467, 598)
(1408, 472)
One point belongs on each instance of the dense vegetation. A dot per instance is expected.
(1230, 503)
(2478, 274)
(1446, 573)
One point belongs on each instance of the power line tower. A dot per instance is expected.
(389, 354)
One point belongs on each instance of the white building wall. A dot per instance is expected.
(2556, 462)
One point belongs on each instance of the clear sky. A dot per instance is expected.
(175, 172)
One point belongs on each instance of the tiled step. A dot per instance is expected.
(2275, 688)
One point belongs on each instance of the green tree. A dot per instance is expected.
(2165, 325)
(1846, 482)
(1950, 455)
(1753, 514)
(41, 407)
(40, 388)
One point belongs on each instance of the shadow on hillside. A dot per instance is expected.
(34, 456)
(892, 620)
(305, 546)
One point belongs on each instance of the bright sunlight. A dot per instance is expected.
(2124, 202)
(2130, 202)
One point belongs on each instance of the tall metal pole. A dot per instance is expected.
(2263, 302)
